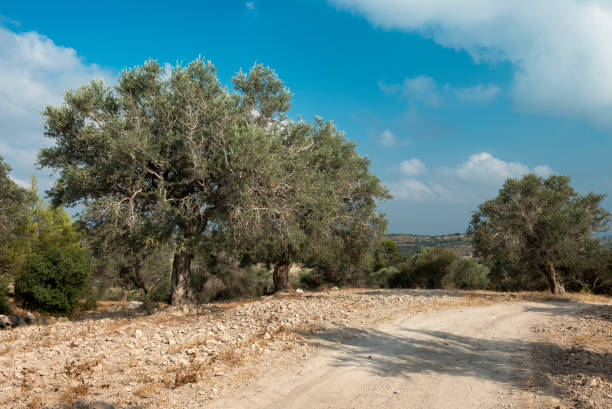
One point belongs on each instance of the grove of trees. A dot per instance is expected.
(179, 160)
(187, 191)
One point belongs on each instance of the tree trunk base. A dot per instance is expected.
(181, 280)
(281, 276)
(554, 279)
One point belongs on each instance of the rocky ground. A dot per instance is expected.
(574, 357)
(187, 357)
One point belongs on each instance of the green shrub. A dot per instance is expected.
(424, 270)
(4, 307)
(467, 274)
(382, 277)
(53, 279)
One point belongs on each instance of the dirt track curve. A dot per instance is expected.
(466, 357)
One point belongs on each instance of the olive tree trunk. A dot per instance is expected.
(181, 268)
(554, 279)
(181, 279)
(281, 276)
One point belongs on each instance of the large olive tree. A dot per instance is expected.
(161, 148)
(536, 225)
(315, 202)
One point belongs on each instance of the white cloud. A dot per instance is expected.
(387, 138)
(425, 90)
(411, 189)
(250, 5)
(561, 49)
(487, 168)
(543, 171)
(412, 167)
(34, 72)
(479, 94)
(474, 180)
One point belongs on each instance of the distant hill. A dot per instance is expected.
(411, 244)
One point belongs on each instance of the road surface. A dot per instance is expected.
(465, 357)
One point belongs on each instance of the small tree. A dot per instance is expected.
(14, 201)
(54, 279)
(466, 274)
(537, 224)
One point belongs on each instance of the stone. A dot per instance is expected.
(5, 322)
(17, 320)
(133, 305)
(29, 318)
(335, 289)
(137, 333)
(299, 291)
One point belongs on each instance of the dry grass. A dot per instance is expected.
(148, 390)
(76, 373)
(190, 373)
(35, 403)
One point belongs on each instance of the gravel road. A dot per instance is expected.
(466, 357)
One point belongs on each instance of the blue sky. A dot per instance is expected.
(447, 98)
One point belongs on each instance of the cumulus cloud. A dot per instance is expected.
(426, 91)
(472, 181)
(387, 138)
(480, 94)
(560, 49)
(34, 72)
(411, 189)
(487, 168)
(423, 89)
(412, 167)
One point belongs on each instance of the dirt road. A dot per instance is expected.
(466, 357)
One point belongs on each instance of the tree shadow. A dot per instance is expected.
(575, 309)
(412, 352)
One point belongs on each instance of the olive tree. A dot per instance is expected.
(536, 225)
(161, 148)
(315, 200)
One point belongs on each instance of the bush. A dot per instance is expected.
(4, 307)
(424, 270)
(53, 279)
(221, 277)
(467, 274)
(384, 276)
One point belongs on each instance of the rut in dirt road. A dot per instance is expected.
(468, 357)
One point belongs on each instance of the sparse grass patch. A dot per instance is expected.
(75, 373)
(190, 373)
(148, 390)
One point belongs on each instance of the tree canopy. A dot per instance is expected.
(13, 204)
(537, 225)
(174, 158)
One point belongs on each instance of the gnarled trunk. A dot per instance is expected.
(554, 279)
(181, 279)
(281, 275)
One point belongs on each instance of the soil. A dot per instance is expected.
(334, 349)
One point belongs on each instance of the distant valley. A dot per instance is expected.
(411, 244)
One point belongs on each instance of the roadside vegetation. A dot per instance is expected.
(189, 192)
